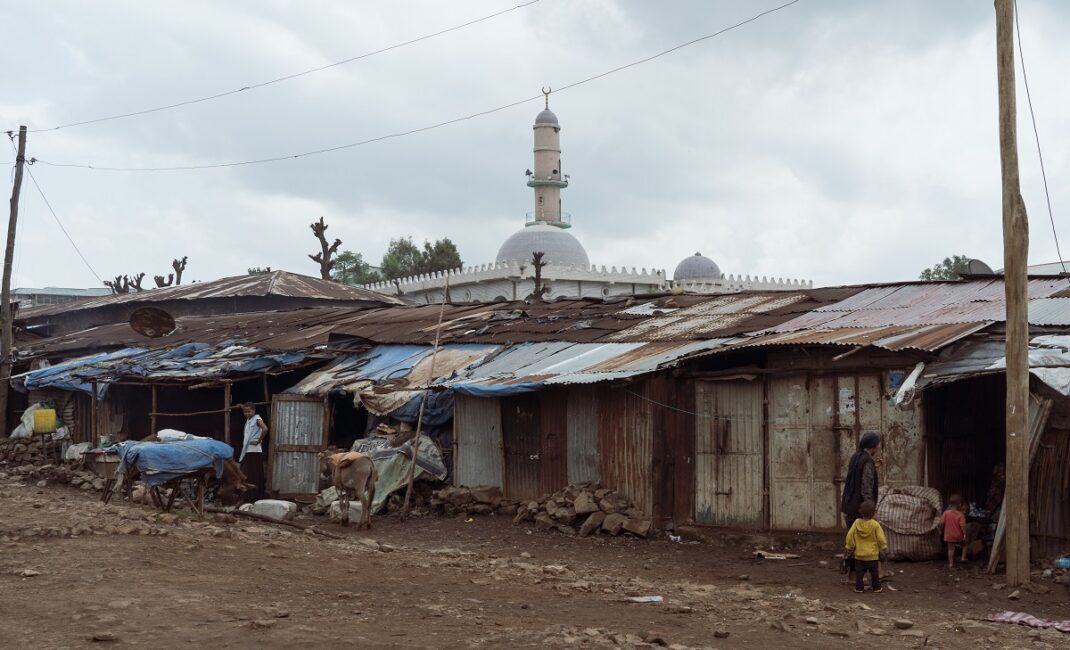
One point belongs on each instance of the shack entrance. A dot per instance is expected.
(299, 426)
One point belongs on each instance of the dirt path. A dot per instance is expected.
(72, 568)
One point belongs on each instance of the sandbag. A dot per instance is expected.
(356, 510)
(324, 500)
(910, 517)
(281, 510)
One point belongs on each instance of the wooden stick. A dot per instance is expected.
(423, 403)
(253, 515)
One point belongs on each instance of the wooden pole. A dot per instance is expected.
(93, 416)
(226, 414)
(7, 336)
(1015, 254)
(423, 403)
(152, 415)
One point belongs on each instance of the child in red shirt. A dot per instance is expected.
(954, 524)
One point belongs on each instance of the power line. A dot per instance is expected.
(288, 77)
(1036, 134)
(56, 217)
(430, 127)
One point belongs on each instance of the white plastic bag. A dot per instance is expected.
(273, 508)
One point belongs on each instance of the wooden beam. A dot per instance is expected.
(1015, 255)
(226, 413)
(152, 415)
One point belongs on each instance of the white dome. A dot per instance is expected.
(696, 268)
(559, 246)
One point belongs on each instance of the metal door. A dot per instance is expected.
(728, 453)
(477, 431)
(791, 479)
(298, 432)
(520, 435)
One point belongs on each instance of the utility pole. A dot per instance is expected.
(7, 336)
(1015, 252)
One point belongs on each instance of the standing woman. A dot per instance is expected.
(252, 451)
(861, 481)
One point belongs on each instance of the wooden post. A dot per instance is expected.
(423, 402)
(93, 415)
(226, 414)
(7, 335)
(1015, 255)
(152, 416)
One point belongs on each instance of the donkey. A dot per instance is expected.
(353, 473)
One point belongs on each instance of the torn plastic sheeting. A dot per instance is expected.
(437, 411)
(498, 390)
(60, 375)
(392, 463)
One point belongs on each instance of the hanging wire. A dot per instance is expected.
(431, 126)
(1036, 135)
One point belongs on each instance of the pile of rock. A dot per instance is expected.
(479, 500)
(20, 451)
(58, 474)
(585, 509)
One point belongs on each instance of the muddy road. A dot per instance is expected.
(76, 573)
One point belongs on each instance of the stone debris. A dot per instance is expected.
(584, 509)
(35, 450)
(478, 500)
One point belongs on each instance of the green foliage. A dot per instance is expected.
(403, 258)
(350, 268)
(256, 270)
(950, 269)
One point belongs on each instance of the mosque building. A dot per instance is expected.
(565, 269)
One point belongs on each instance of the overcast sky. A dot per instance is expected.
(841, 142)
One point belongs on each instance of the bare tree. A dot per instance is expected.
(179, 266)
(135, 282)
(540, 290)
(325, 258)
(117, 285)
(162, 282)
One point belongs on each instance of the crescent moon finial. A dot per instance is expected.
(546, 90)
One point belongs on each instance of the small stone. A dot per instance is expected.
(526, 555)
(104, 637)
(721, 634)
(903, 623)
(779, 626)
(1014, 595)
(386, 548)
(282, 613)
(812, 620)
(613, 523)
(638, 527)
(592, 523)
(120, 604)
(543, 521)
(264, 624)
(168, 518)
(585, 503)
(42, 483)
(917, 634)
(654, 638)
(744, 577)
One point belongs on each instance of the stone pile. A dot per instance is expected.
(27, 450)
(479, 500)
(58, 475)
(585, 509)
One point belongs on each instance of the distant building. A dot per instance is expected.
(567, 272)
(26, 298)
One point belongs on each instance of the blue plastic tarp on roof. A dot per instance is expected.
(60, 375)
(438, 410)
(498, 390)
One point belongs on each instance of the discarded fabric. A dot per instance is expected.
(1021, 618)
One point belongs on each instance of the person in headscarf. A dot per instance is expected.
(861, 481)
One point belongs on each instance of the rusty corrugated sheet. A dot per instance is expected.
(625, 443)
(477, 425)
(929, 338)
(275, 283)
(553, 427)
(523, 445)
(582, 434)
(729, 452)
(297, 435)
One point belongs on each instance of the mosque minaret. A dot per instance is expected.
(567, 271)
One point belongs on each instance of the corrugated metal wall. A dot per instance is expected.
(298, 428)
(729, 453)
(523, 445)
(478, 432)
(672, 405)
(625, 443)
(553, 427)
(582, 446)
(815, 422)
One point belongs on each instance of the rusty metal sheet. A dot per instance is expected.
(582, 434)
(791, 477)
(553, 429)
(523, 446)
(296, 422)
(672, 407)
(625, 443)
(477, 425)
(729, 451)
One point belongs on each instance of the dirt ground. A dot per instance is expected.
(76, 573)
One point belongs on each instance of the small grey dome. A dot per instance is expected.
(559, 246)
(546, 117)
(696, 268)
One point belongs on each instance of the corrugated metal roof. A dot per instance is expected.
(920, 337)
(274, 283)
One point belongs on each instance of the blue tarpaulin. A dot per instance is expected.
(160, 462)
(497, 390)
(437, 411)
(188, 361)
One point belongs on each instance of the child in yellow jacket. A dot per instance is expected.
(865, 541)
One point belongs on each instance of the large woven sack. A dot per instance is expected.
(910, 517)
